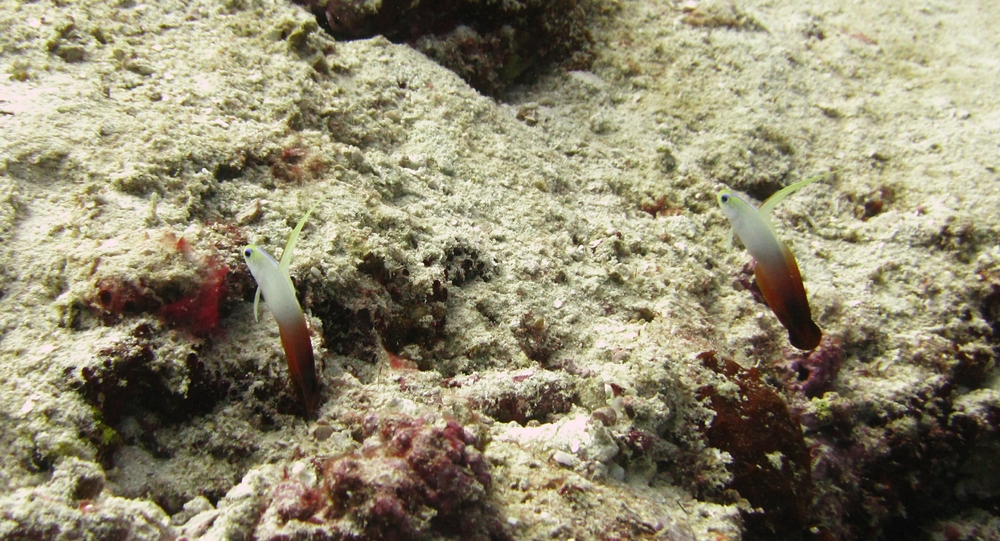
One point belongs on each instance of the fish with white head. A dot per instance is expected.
(776, 270)
(276, 285)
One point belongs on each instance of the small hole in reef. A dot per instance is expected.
(803, 373)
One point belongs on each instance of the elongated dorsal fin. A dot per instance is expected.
(286, 257)
(286, 254)
(767, 206)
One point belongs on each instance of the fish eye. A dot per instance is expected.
(248, 252)
(724, 198)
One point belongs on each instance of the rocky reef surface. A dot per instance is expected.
(526, 311)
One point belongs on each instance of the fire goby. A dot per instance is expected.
(275, 284)
(776, 271)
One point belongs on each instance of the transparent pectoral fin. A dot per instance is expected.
(256, 305)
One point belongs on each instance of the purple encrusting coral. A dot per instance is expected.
(412, 479)
(813, 372)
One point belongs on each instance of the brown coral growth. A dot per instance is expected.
(488, 43)
(770, 460)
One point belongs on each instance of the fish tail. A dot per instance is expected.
(301, 366)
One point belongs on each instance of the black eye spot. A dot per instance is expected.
(724, 198)
(248, 252)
